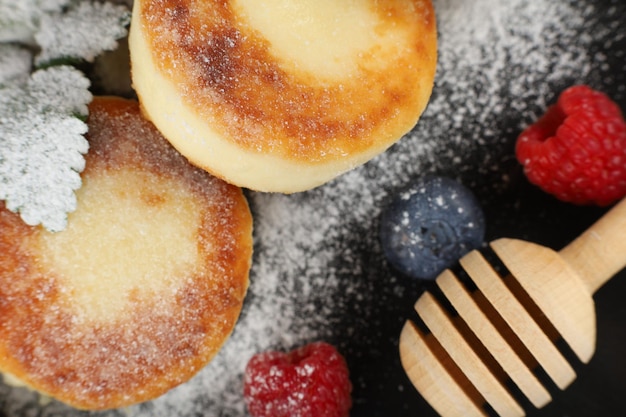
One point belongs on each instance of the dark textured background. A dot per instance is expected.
(521, 211)
(367, 325)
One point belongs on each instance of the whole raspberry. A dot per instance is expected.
(311, 381)
(577, 150)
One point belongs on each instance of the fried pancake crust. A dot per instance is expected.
(143, 287)
(269, 100)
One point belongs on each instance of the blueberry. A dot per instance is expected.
(428, 226)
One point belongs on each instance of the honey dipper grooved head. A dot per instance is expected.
(507, 326)
(286, 96)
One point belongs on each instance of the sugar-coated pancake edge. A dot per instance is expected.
(167, 333)
(216, 89)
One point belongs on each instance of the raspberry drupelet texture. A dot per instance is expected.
(577, 150)
(311, 381)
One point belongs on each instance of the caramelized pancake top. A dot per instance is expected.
(282, 89)
(143, 287)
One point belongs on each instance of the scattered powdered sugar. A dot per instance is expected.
(501, 62)
(497, 57)
(318, 271)
(83, 32)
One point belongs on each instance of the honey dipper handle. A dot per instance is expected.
(600, 252)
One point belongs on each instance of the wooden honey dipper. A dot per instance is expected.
(466, 359)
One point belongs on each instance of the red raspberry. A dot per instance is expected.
(577, 150)
(311, 381)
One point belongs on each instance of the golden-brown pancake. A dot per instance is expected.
(142, 288)
(284, 95)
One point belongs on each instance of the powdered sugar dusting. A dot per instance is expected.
(496, 57)
(318, 270)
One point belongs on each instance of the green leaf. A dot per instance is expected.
(15, 63)
(42, 145)
(19, 19)
(80, 33)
